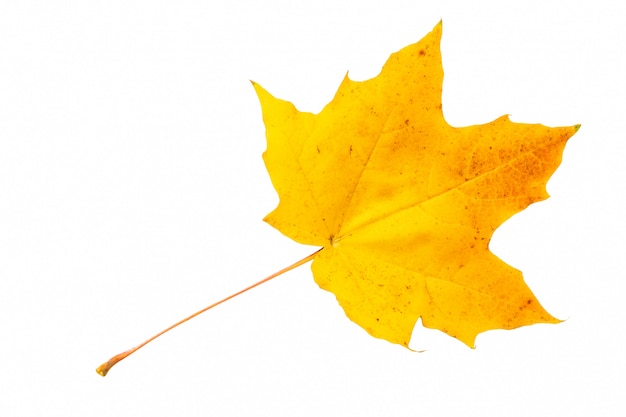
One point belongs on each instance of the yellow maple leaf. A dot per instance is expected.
(404, 205)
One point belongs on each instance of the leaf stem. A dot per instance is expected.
(106, 366)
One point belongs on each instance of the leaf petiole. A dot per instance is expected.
(106, 366)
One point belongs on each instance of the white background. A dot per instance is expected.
(132, 191)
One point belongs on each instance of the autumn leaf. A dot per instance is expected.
(404, 205)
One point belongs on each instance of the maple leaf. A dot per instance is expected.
(404, 205)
